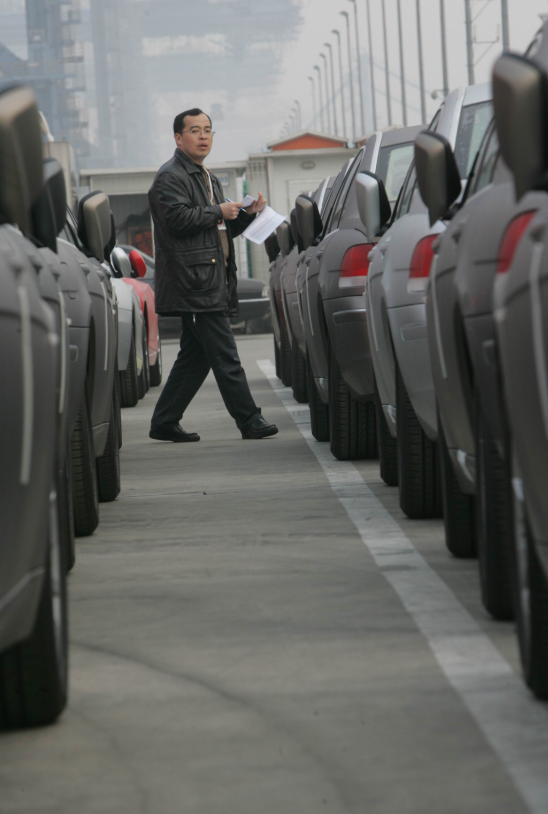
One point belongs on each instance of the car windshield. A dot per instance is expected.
(474, 121)
(393, 165)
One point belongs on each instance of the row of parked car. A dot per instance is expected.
(410, 309)
(79, 337)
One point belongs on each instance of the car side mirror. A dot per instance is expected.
(120, 263)
(49, 213)
(272, 247)
(21, 163)
(297, 239)
(438, 176)
(285, 238)
(94, 223)
(309, 220)
(373, 203)
(138, 265)
(520, 99)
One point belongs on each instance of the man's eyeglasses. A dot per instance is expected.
(197, 131)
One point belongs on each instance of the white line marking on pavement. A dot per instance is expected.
(515, 725)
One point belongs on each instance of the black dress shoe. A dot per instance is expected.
(259, 427)
(174, 433)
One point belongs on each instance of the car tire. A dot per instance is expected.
(156, 368)
(285, 356)
(319, 412)
(85, 491)
(495, 523)
(459, 509)
(108, 465)
(343, 419)
(129, 385)
(143, 379)
(277, 361)
(66, 512)
(418, 463)
(531, 603)
(387, 445)
(33, 673)
(299, 379)
(368, 446)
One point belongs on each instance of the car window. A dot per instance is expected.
(487, 161)
(407, 192)
(339, 202)
(435, 121)
(392, 167)
(339, 205)
(474, 121)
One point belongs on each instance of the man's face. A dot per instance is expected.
(196, 139)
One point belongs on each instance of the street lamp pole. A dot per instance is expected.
(323, 56)
(362, 112)
(345, 15)
(386, 67)
(402, 68)
(444, 49)
(311, 78)
(335, 31)
(328, 45)
(299, 117)
(505, 29)
(317, 68)
(371, 67)
(469, 45)
(421, 64)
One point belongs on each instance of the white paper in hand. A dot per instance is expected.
(263, 225)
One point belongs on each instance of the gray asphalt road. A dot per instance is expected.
(256, 628)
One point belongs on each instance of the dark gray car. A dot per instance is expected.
(33, 499)
(335, 322)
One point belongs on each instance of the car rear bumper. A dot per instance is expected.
(410, 338)
(347, 326)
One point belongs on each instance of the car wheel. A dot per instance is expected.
(531, 603)
(299, 380)
(459, 509)
(343, 423)
(66, 512)
(368, 447)
(129, 386)
(495, 523)
(388, 447)
(108, 465)
(85, 492)
(319, 412)
(156, 369)
(285, 356)
(143, 379)
(277, 360)
(33, 673)
(418, 464)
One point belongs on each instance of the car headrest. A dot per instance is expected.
(49, 212)
(21, 164)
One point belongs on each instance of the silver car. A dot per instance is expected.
(395, 299)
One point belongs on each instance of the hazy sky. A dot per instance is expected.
(256, 117)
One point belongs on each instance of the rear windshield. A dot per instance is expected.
(393, 165)
(474, 121)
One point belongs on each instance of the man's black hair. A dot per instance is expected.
(179, 121)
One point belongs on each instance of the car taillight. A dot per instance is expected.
(421, 261)
(355, 266)
(511, 239)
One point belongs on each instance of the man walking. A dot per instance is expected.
(195, 278)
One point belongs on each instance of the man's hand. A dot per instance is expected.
(256, 206)
(230, 210)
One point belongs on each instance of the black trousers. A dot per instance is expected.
(207, 343)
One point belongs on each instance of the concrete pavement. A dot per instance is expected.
(236, 647)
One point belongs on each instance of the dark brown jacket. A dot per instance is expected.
(190, 272)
